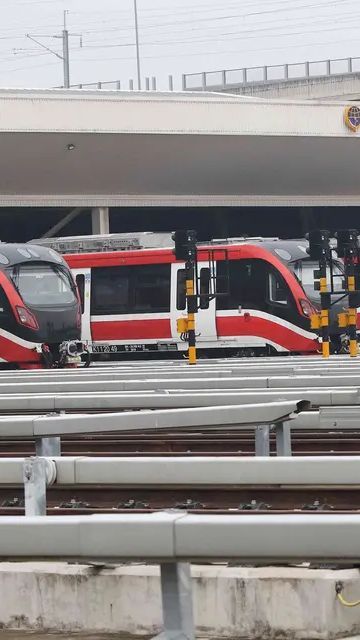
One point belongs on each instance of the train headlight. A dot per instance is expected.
(26, 318)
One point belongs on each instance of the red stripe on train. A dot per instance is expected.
(226, 326)
(131, 329)
(13, 352)
(263, 328)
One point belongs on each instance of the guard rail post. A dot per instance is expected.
(177, 605)
(35, 486)
(283, 439)
(262, 441)
(48, 447)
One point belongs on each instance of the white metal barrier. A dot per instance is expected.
(179, 536)
(174, 539)
(47, 429)
(150, 399)
(197, 471)
(211, 382)
(204, 417)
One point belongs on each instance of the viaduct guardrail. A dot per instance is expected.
(228, 78)
(242, 76)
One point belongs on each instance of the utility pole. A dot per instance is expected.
(137, 46)
(66, 57)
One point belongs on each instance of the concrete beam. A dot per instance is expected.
(287, 601)
(63, 222)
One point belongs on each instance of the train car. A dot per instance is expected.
(40, 311)
(293, 253)
(133, 291)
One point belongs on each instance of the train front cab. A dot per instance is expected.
(131, 302)
(265, 308)
(40, 319)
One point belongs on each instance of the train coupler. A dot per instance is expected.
(71, 353)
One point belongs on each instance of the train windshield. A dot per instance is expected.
(43, 284)
(304, 270)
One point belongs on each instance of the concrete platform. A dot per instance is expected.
(230, 602)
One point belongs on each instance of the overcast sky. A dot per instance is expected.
(177, 36)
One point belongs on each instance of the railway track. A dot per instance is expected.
(239, 500)
(240, 443)
(148, 394)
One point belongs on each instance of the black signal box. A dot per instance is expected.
(319, 244)
(185, 244)
(347, 240)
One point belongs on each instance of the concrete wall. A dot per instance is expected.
(338, 87)
(264, 603)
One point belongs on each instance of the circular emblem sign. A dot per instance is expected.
(352, 118)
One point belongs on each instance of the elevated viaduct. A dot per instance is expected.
(161, 159)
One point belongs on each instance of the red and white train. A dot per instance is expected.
(132, 291)
(40, 313)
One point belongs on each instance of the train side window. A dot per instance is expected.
(151, 288)
(278, 292)
(110, 290)
(80, 282)
(181, 290)
(134, 289)
(204, 287)
(247, 284)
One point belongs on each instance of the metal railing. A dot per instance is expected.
(175, 539)
(245, 76)
(237, 77)
(47, 430)
(118, 85)
(180, 536)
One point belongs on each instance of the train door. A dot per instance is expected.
(83, 281)
(205, 321)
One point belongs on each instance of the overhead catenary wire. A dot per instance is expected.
(209, 18)
(219, 53)
(272, 25)
(223, 35)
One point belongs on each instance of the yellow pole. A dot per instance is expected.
(191, 322)
(324, 320)
(352, 315)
